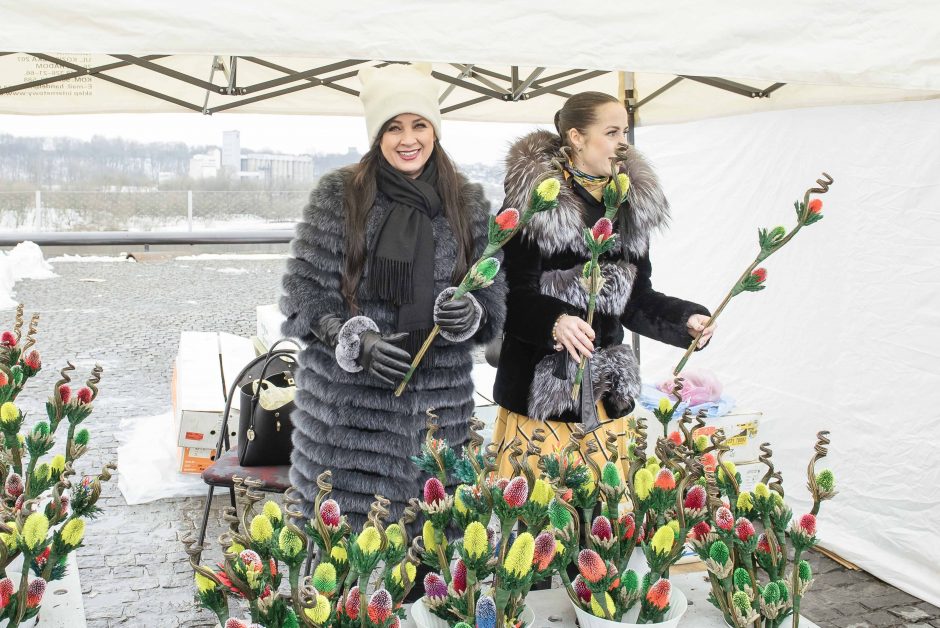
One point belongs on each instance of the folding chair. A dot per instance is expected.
(219, 474)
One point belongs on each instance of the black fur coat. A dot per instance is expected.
(542, 267)
(352, 423)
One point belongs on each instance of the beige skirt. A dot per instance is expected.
(510, 425)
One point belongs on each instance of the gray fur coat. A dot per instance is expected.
(352, 423)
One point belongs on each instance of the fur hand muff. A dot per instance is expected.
(349, 343)
(616, 376)
(459, 319)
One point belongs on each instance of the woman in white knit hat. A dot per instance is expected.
(373, 263)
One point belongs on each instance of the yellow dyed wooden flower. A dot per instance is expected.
(548, 189)
(9, 412)
(394, 535)
(204, 584)
(663, 540)
(542, 493)
(369, 541)
(410, 570)
(272, 511)
(261, 529)
(289, 543)
(427, 532)
(475, 541)
(338, 554)
(34, 530)
(320, 611)
(519, 559)
(73, 532)
(643, 483)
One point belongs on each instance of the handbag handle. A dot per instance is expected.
(223, 432)
(272, 355)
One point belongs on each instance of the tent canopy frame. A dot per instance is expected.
(489, 83)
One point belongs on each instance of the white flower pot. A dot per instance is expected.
(422, 616)
(678, 605)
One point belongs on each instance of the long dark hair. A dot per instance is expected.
(359, 195)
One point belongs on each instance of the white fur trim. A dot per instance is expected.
(446, 295)
(348, 343)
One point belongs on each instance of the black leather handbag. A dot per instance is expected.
(266, 403)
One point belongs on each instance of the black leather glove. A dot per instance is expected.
(381, 358)
(456, 317)
(327, 330)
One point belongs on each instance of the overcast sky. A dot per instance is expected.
(467, 142)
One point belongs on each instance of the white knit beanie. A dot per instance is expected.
(395, 89)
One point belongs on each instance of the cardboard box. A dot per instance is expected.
(750, 475)
(192, 460)
(741, 432)
(744, 448)
(268, 326)
(206, 366)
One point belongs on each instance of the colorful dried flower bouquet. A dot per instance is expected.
(603, 513)
(571, 513)
(493, 571)
(744, 541)
(42, 512)
(258, 543)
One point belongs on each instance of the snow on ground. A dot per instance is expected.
(230, 256)
(230, 271)
(91, 258)
(25, 261)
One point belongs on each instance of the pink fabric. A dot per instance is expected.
(698, 386)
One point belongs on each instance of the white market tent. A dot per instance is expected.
(499, 61)
(849, 339)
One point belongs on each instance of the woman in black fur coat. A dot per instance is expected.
(375, 256)
(546, 332)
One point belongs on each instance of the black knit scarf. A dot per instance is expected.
(402, 268)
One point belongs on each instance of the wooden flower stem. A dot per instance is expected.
(592, 301)
(760, 257)
(417, 360)
(794, 587)
(363, 610)
(698, 336)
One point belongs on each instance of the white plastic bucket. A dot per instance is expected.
(422, 616)
(678, 605)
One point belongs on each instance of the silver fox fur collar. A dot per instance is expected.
(561, 229)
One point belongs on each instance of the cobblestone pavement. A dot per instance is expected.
(127, 317)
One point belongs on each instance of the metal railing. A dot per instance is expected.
(70, 217)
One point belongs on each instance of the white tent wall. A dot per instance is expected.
(845, 337)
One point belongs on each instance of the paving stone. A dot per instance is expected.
(930, 609)
(889, 598)
(909, 613)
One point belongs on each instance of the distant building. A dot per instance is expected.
(231, 152)
(278, 167)
(204, 166)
